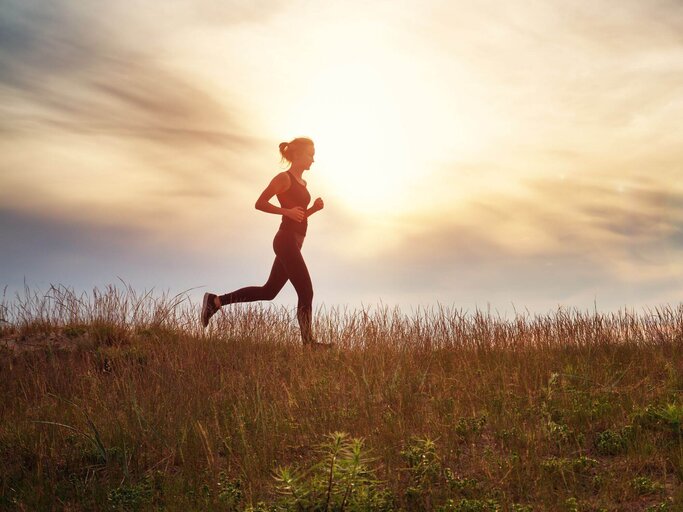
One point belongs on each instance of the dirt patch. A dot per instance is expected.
(58, 340)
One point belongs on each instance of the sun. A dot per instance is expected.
(383, 118)
(362, 149)
(372, 125)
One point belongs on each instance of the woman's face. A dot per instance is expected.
(305, 157)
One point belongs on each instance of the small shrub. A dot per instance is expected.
(672, 416)
(663, 418)
(341, 479)
(565, 471)
(517, 507)
(424, 468)
(571, 505)
(559, 433)
(509, 436)
(424, 465)
(131, 497)
(229, 492)
(463, 487)
(261, 507)
(612, 442)
(665, 506)
(643, 486)
(467, 428)
(566, 464)
(470, 505)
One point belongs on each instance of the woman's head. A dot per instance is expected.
(298, 152)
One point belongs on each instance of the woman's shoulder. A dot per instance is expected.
(283, 181)
(283, 177)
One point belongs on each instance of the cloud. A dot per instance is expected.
(617, 211)
(578, 70)
(83, 254)
(41, 248)
(93, 120)
(565, 242)
(61, 59)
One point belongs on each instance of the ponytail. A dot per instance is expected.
(283, 150)
(289, 149)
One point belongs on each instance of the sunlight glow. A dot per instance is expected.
(377, 124)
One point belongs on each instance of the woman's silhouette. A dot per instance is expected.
(291, 191)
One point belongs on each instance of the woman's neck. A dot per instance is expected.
(297, 172)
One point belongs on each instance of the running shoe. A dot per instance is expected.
(208, 308)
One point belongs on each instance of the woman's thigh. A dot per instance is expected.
(287, 249)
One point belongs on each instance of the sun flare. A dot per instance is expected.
(377, 125)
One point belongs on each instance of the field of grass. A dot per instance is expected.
(120, 401)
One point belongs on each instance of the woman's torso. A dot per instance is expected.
(296, 195)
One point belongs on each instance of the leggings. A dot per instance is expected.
(289, 265)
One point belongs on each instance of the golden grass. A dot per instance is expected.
(120, 400)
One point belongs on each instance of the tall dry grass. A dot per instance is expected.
(119, 399)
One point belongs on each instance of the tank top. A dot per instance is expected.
(295, 195)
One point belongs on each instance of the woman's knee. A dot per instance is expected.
(269, 292)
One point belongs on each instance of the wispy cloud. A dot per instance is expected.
(565, 241)
(75, 86)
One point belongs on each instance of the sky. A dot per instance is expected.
(524, 155)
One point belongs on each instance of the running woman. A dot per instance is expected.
(293, 196)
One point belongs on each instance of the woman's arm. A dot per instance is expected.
(278, 185)
(318, 205)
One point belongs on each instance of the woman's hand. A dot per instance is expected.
(317, 206)
(296, 214)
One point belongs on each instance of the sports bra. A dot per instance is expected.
(295, 195)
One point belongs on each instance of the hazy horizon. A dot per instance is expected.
(524, 155)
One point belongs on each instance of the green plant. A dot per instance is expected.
(462, 486)
(340, 480)
(131, 497)
(571, 505)
(469, 505)
(672, 416)
(261, 507)
(423, 466)
(558, 433)
(229, 492)
(469, 427)
(665, 506)
(644, 486)
(613, 442)
(517, 507)
(667, 417)
(423, 463)
(566, 472)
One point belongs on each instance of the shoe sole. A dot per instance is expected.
(205, 310)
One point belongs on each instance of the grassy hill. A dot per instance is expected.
(120, 401)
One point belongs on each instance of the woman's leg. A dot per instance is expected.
(276, 280)
(288, 250)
